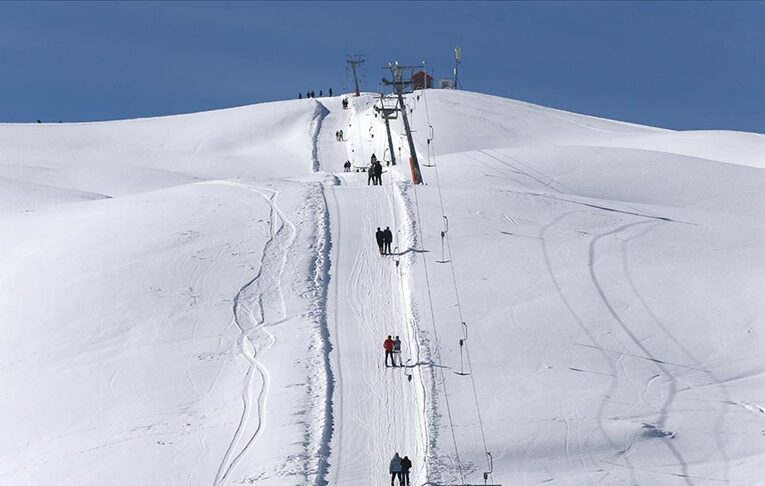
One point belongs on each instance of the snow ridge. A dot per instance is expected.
(322, 279)
(320, 112)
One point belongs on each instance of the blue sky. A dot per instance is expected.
(679, 65)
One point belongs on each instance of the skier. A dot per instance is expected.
(342, 136)
(380, 237)
(378, 173)
(330, 91)
(388, 345)
(313, 94)
(371, 175)
(387, 239)
(347, 166)
(397, 352)
(300, 96)
(321, 93)
(406, 465)
(345, 103)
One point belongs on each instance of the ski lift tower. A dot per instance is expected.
(400, 84)
(355, 61)
(457, 61)
(389, 112)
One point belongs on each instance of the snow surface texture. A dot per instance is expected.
(198, 299)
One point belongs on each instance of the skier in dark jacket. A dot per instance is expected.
(330, 91)
(371, 175)
(378, 173)
(380, 237)
(387, 240)
(347, 166)
(406, 465)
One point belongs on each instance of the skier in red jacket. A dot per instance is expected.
(388, 345)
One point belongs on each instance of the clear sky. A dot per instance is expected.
(681, 65)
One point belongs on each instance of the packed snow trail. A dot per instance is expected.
(377, 410)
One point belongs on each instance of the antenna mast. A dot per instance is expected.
(355, 61)
(457, 61)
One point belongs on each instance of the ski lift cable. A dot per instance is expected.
(456, 290)
(437, 342)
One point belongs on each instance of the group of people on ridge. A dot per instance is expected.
(399, 468)
(339, 136)
(374, 173)
(311, 94)
(384, 239)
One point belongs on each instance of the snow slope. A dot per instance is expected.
(198, 299)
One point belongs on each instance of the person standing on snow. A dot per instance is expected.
(347, 166)
(388, 345)
(387, 240)
(371, 175)
(330, 91)
(395, 469)
(397, 352)
(380, 237)
(378, 173)
(406, 465)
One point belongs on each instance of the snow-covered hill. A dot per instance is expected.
(198, 299)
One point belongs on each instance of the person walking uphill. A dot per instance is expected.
(388, 345)
(397, 352)
(406, 465)
(395, 469)
(380, 237)
(387, 240)
(378, 173)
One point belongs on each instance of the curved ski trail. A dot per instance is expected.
(258, 304)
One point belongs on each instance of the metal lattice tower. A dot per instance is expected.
(355, 61)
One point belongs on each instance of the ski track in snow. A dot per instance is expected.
(258, 304)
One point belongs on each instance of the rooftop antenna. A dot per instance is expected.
(355, 61)
(457, 61)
